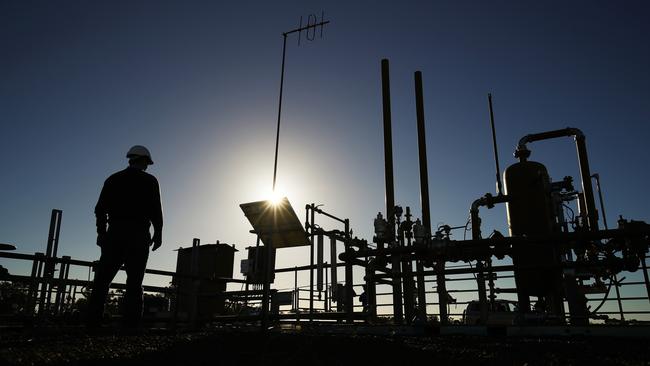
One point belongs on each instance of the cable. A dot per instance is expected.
(609, 287)
(573, 214)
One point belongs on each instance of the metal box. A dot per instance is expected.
(203, 296)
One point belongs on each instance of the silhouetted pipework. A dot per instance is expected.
(50, 254)
(523, 153)
(390, 193)
(494, 146)
(388, 151)
(426, 210)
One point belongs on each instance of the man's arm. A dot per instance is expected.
(156, 216)
(101, 215)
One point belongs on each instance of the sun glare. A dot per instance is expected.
(276, 197)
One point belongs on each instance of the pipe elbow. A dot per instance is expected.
(476, 204)
(576, 132)
(521, 145)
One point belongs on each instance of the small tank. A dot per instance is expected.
(530, 213)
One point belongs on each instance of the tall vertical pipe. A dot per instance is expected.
(388, 151)
(422, 148)
(390, 193)
(424, 196)
(424, 189)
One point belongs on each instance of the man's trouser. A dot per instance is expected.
(123, 247)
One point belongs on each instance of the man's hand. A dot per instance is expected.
(156, 241)
(102, 239)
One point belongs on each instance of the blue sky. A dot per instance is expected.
(197, 83)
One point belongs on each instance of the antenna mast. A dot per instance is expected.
(312, 24)
(494, 145)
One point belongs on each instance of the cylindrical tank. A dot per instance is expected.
(530, 210)
(530, 213)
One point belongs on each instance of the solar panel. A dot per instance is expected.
(276, 223)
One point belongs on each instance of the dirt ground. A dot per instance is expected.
(228, 346)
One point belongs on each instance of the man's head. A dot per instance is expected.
(139, 157)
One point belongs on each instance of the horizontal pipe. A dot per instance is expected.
(76, 262)
(522, 153)
(490, 244)
(565, 132)
(318, 210)
(487, 200)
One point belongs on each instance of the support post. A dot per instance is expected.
(441, 288)
(50, 252)
(194, 270)
(269, 257)
(333, 260)
(349, 280)
(311, 264)
(482, 296)
(371, 290)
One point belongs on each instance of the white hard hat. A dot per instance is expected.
(139, 151)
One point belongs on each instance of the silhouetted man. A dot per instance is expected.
(128, 204)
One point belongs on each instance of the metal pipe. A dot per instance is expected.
(494, 145)
(194, 270)
(396, 275)
(59, 216)
(407, 269)
(349, 281)
(482, 296)
(422, 149)
(61, 287)
(371, 291)
(424, 188)
(487, 200)
(522, 153)
(33, 284)
(327, 285)
(585, 176)
(617, 285)
(307, 228)
(422, 293)
(311, 264)
(492, 244)
(318, 210)
(390, 193)
(646, 280)
(319, 263)
(48, 266)
(388, 151)
(334, 265)
(596, 176)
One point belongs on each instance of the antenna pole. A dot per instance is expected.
(494, 145)
(299, 30)
(277, 133)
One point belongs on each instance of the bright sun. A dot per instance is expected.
(276, 197)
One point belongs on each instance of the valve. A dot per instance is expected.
(398, 211)
(380, 227)
(419, 232)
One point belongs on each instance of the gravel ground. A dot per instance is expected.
(248, 347)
